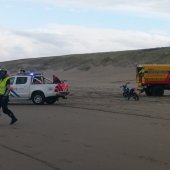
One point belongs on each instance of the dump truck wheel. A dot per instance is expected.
(148, 92)
(157, 91)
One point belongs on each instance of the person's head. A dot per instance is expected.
(3, 72)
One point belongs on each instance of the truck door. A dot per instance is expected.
(21, 87)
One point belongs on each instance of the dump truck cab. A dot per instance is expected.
(153, 78)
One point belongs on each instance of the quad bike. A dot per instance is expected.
(129, 92)
(133, 94)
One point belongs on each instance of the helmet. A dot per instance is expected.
(3, 71)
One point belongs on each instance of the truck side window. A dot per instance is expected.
(21, 80)
(37, 80)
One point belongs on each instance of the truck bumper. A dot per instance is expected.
(62, 94)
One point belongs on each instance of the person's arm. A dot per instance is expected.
(7, 88)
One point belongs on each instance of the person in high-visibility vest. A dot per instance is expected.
(141, 74)
(4, 95)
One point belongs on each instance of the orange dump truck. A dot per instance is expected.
(153, 78)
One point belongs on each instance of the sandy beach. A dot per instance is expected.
(94, 129)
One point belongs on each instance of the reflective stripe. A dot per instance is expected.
(3, 85)
(13, 94)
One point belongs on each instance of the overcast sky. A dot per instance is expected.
(39, 28)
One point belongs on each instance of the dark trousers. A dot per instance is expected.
(4, 105)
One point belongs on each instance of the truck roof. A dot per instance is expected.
(29, 74)
(162, 67)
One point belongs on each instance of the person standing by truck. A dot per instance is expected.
(141, 74)
(56, 80)
(4, 95)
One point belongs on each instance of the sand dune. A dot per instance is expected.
(86, 62)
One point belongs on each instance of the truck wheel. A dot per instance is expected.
(157, 91)
(38, 98)
(148, 91)
(51, 100)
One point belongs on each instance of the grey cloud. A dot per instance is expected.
(73, 40)
(45, 38)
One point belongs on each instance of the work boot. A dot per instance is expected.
(14, 119)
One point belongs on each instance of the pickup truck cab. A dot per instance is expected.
(35, 87)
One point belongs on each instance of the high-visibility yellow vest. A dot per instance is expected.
(141, 72)
(3, 85)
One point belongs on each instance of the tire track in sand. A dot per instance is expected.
(48, 164)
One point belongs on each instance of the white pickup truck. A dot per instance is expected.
(36, 87)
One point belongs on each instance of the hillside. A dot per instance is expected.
(85, 62)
